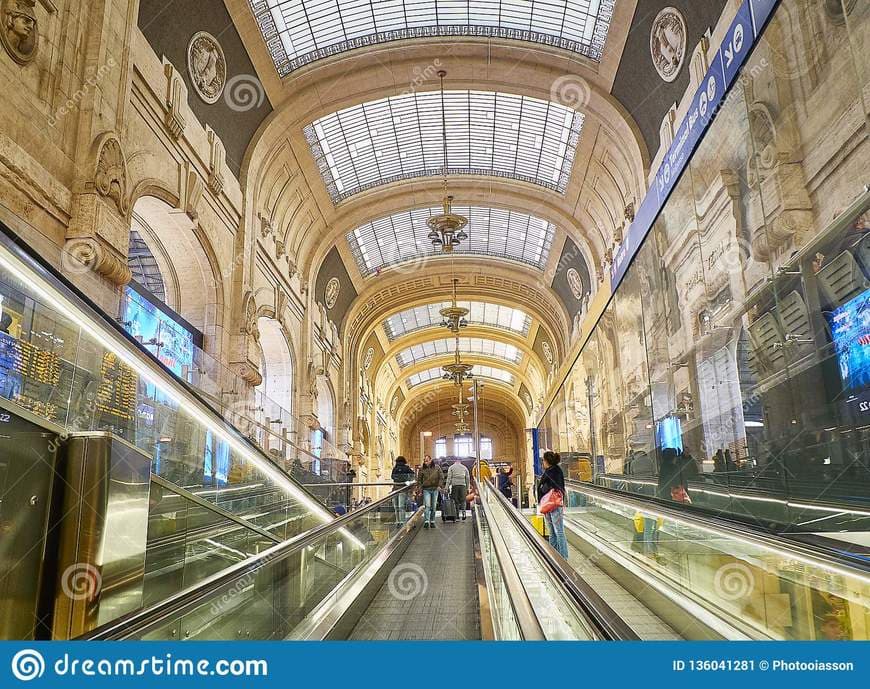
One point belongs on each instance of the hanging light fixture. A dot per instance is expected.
(458, 371)
(447, 229)
(454, 315)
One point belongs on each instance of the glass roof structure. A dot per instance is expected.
(467, 345)
(478, 371)
(495, 232)
(480, 313)
(488, 133)
(298, 32)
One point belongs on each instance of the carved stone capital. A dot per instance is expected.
(82, 254)
(248, 373)
(110, 176)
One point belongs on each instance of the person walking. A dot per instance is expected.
(430, 479)
(554, 479)
(402, 474)
(458, 483)
(505, 482)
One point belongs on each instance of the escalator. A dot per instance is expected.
(119, 484)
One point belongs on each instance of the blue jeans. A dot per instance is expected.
(556, 526)
(430, 504)
(399, 504)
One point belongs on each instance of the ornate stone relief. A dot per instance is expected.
(110, 176)
(217, 156)
(206, 66)
(176, 97)
(333, 287)
(367, 361)
(575, 282)
(834, 8)
(19, 29)
(667, 43)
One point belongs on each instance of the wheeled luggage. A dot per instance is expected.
(448, 509)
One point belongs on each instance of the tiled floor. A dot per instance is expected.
(431, 592)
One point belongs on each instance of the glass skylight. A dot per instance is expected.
(298, 32)
(495, 232)
(467, 345)
(478, 371)
(488, 133)
(480, 313)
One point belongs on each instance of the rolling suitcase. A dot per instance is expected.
(448, 509)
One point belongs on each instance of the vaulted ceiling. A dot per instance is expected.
(540, 158)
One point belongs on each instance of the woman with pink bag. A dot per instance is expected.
(551, 491)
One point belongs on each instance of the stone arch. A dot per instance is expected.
(277, 365)
(186, 261)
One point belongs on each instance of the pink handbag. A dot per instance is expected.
(550, 501)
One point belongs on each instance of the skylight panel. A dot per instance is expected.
(488, 133)
(299, 32)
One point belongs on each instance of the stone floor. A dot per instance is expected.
(431, 592)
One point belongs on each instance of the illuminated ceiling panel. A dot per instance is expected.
(478, 371)
(480, 313)
(298, 32)
(467, 345)
(488, 133)
(402, 237)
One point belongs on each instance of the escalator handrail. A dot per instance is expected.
(187, 599)
(205, 504)
(524, 613)
(598, 613)
(25, 253)
(814, 554)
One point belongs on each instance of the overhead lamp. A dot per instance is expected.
(458, 371)
(446, 229)
(454, 315)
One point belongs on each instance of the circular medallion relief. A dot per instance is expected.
(575, 282)
(548, 353)
(667, 43)
(331, 294)
(367, 362)
(206, 66)
(19, 29)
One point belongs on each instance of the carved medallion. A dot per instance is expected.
(575, 282)
(331, 294)
(206, 66)
(667, 43)
(548, 353)
(19, 29)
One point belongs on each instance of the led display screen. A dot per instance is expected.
(850, 330)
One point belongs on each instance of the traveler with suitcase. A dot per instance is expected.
(430, 479)
(458, 483)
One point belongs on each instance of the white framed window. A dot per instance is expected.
(486, 448)
(463, 446)
(440, 448)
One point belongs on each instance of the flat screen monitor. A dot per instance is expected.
(850, 330)
(669, 433)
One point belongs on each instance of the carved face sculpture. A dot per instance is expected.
(19, 29)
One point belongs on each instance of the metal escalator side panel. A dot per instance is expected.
(102, 531)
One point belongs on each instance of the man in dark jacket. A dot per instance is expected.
(401, 475)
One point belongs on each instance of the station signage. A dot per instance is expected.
(724, 69)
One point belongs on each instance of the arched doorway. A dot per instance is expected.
(276, 368)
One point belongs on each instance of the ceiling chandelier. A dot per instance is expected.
(454, 315)
(447, 229)
(458, 371)
(460, 410)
